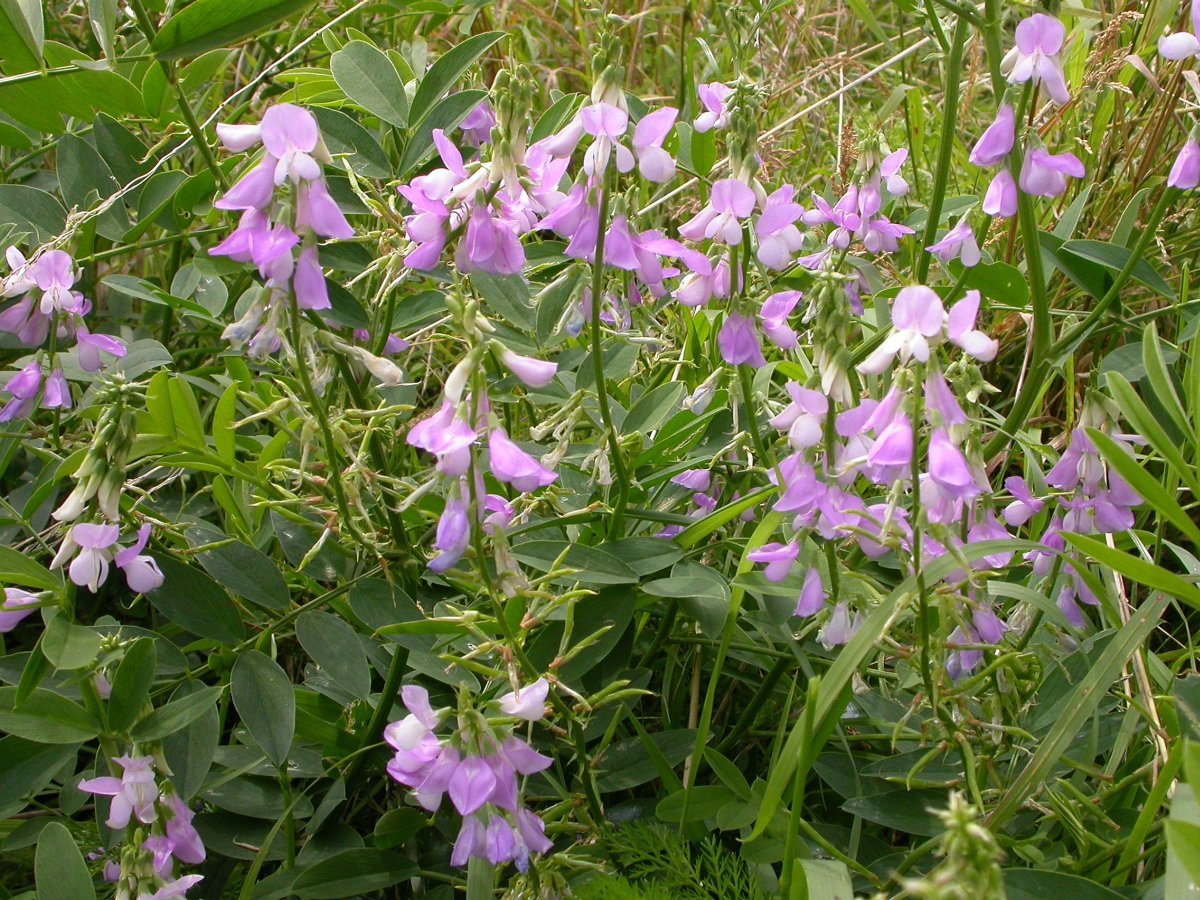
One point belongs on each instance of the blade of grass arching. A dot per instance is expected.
(1159, 379)
(1147, 816)
(765, 529)
(1139, 416)
(1140, 570)
(1145, 484)
(1084, 699)
(835, 683)
(693, 534)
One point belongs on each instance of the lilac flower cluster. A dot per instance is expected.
(47, 301)
(1034, 59)
(286, 209)
(477, 765)
(1185, 173)
(149, 867)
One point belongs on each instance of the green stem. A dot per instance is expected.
(146, 26)
(614, 446)
(946, 150)
(1039, 353)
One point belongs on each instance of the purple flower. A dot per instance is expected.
(962, 659)
(958, 243)
(173, 890)
(24, 387)
(694, 479)
(523, 758)
(776, 232)
(510, 464)
(949, 468)
(471, 785)
(731, 201)
(536, 373)
(804, 417)
(471, 841)
(56, 393)
(308, 283)
(1024, 505)
(1180, 45)
(254, 190)
(453, 534)
(1039, 38)
(997, 140)
(840, 628)
(533, 835)
(961, 330)
(893, 448)
(133, 793)
(491, 244)
(88, 348)
(1185, 173)
(607, 124)
(290, 135)
(54, 273)
(16, 606)
(442, 433)
(317, 211)
(778, 557)
(774, 317)
(889, 169)
(529, 703)
(1044, 174)
(917, 316)
(19, 280)
(239, 138)
(655, 163)
(941, 402)
(477, 127)
(91, 546)
(186, 844)
(1001, 197)
(738, 341)
(812, 595)
(712, 97)
(141, 571)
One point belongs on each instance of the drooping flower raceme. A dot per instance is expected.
(286, 209)
(478, 767)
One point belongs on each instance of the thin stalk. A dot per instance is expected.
(946, 151)
(1039, 353)
(614, 445)
(146, 27)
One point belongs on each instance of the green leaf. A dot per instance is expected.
(367, 77)
(46, 717)
(205, 24)
(1181, 881)
(447, 115)
(343, 135)
(397, 826)
(29, 766)
(335, 647)
(653, 408)
(448, 68)
(1140, 570)
(242, 570)
(131, 684)
(176, 715)
(1145, 484)
(828, 879)
(20, 569)
(192, 600)
(702, 802)
(264, 699)
(1114, 257)
(1084, 698)
(103, 16)
(69, 646)
(31, 211)
(59, 868)
(1150, 428)
(1184, 838)
(353, 873)
(190, 751)
(703, 591)
(25, 53)
(595, 564)
(698, 531)
(1037, 884)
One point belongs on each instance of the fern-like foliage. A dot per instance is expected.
(657, 863)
